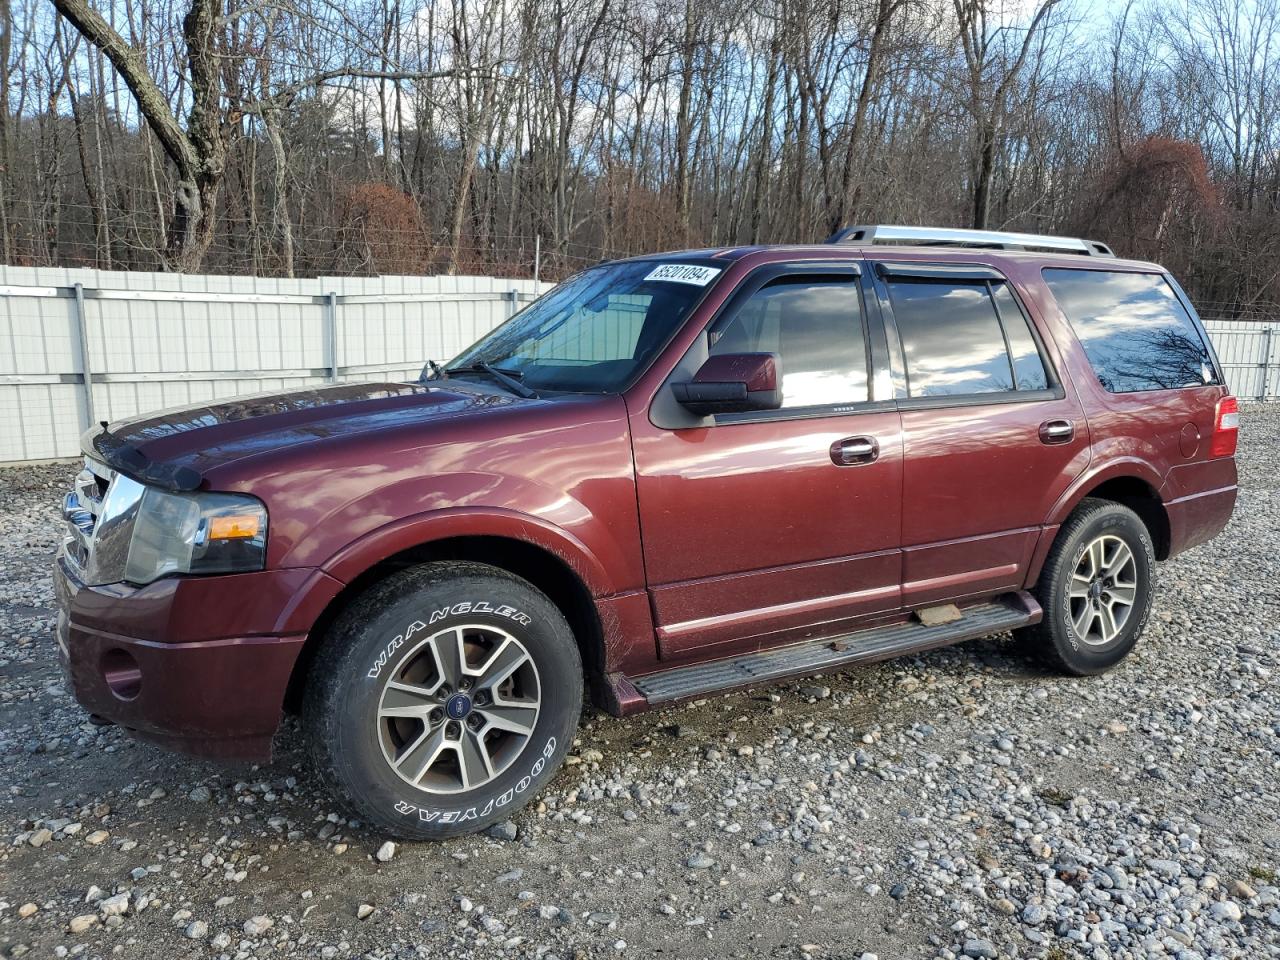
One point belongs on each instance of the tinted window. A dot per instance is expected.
(815, 327)
(1028, 368)
(1133, 328)
(953, 341)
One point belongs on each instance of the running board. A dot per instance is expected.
(830, 653)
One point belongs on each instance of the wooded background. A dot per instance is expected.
(303, 137)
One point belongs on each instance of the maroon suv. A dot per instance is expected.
(669, 476)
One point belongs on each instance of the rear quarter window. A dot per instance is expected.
(1134, 330)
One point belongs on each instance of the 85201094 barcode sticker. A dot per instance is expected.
(684, 273)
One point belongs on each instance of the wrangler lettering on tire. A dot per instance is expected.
(460, 717)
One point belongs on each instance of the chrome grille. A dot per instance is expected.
(81, 509)
(98, 517)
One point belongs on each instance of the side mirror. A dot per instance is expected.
(732, 383)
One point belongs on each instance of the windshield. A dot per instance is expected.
(595, 331)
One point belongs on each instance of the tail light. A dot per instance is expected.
(1226, 428)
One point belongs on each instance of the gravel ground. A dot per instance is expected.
(959, 803)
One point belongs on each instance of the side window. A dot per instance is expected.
(1028, 368)
(964, 337)
(1133, 328)
(815, 326)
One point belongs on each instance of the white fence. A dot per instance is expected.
(1249, 351)
(80, 346)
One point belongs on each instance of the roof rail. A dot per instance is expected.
(947, 236)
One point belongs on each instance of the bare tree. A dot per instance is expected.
(319, 135)
(993, 67)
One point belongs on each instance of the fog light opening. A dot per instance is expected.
(122, 674)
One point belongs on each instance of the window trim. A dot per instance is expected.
(1183, 301)
(937, 271)
(850, 271)
(961, 274)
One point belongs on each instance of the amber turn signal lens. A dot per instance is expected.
(242, 527)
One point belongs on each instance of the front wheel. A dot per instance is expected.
(1095, 589)
(443, 699)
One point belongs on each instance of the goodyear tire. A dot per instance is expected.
(443, 699)
(1095, 588)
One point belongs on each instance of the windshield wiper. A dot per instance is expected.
(502, 376)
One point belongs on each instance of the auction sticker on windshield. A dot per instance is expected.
(684, 273)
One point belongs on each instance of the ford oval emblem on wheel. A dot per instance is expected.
(458, 706)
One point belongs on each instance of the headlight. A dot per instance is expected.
(196, 533)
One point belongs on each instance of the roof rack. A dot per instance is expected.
(947, 236)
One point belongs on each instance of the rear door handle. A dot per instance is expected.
(1057, 431)
(852, 451)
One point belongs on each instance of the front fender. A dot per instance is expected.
(392, 538)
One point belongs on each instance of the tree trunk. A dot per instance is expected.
(683, 121)
(281, 223)
(982, 182)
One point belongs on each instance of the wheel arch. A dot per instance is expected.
(1144, 500)
(545, 569)
(1134, 485)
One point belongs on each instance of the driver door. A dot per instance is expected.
(775, 526)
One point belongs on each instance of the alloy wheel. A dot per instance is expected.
(459, 709)
(1103, 590)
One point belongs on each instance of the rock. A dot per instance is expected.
(40, 837)
(97, 838)
(503, 831)
(386, 852)
(83, 922)
(201, 794)
(27, 910)
(511, 876)
(115, 906)
(815, 692)
(1241, 890)
(1167, 868)
(1006, 906)
(898, 891)
(979, 948)
(364, 911)
(1034, 914)
(257, 926)
(1227, 910)
(196, 930)
(699, 861)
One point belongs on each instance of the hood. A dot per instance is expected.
(174, 448)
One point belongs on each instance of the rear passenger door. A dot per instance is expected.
(990, 437)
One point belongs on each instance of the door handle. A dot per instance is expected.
(1057, 431)
(852, 451)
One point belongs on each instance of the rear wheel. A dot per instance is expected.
(443, 699)
(1095, 589)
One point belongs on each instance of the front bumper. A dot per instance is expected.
(198, 664)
